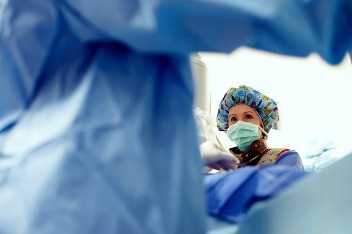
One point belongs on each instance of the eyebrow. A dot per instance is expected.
(246, 112)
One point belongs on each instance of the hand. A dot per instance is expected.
(221, 162)
(217, 159)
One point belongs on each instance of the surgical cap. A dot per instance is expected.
(265, 106)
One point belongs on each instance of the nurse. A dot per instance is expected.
(262, 172)
(247, 116)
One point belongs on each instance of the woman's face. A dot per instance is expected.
(242, 112)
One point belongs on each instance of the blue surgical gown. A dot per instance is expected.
(96, 126)
(230, 195)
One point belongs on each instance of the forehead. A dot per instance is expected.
(241, 108)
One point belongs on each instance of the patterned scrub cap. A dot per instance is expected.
(265, 106)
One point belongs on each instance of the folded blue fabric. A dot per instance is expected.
(230, 195)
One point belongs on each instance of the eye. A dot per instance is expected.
(233, 119)
(249, 116)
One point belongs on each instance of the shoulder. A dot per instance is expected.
(282, 152)
(271, 156)
(279, 153)
(289, 157)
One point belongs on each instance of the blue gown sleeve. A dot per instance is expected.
(28, 32)
(292, 27)
(230, 195)
(91, 150)
(290, 158)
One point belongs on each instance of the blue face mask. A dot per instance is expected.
(243, 134)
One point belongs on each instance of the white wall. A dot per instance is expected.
(315, 99)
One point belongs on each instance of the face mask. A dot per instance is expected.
(243, 134)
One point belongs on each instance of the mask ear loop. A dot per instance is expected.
(261, 127)
(265, 134)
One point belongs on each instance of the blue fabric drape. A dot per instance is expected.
(230, 195)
